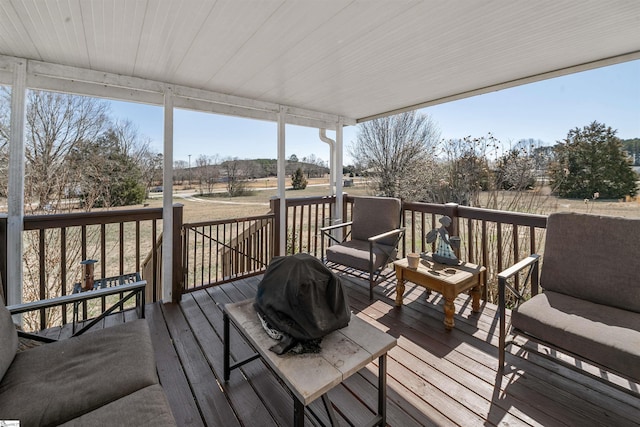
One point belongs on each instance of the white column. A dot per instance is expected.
(167, 199)
(15, 201)
(338, 167)
(282, 174)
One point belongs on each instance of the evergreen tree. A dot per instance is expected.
(591, 161)
(298, 180)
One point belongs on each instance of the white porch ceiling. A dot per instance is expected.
(355, 59)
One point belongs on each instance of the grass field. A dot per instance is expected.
(198, 208)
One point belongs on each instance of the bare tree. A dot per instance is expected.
(394, 149)
(180, 170)
(207, 172)
(238, 173)
(137, 147)
(56, 125)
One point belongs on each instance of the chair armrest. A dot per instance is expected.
(335, 226)
(532, 262)
(519, 266)
(67, 299)
(384, 235)
(326, 231)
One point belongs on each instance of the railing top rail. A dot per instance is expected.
(228, 221)
(38, 222)
(303, 201)
(520, 218)
(432, 208)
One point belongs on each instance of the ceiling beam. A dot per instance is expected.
(80, 81)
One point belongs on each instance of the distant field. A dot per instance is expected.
(198, 208)
(213, 208)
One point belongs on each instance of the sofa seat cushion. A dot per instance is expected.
(355, 253)
(607, 335)
(145, 407)
(57, 382)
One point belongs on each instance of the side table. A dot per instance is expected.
(448, 280)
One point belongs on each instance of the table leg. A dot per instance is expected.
(399, 288)
(382, 389)
(449, 311)
(298, 413)
(226, 369)
(475, 294)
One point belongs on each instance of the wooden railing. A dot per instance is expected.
(55, 244)
(495, 239)
(305, 216)
(217, 252)
(210, 253)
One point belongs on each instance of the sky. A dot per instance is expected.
(545, 111)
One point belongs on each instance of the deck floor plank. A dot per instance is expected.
(170, 372)
(266, 390)
(434, 377)
(563, 387)
(453, 372)
(210, 398)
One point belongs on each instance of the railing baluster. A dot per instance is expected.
(154, 258)
(63, 269)
(103, 257)
(516, 251)
(422, 232)
(413, 231)
(499, 244)
(470, 240)
(84, 256)
(138, 242)
(218, 253)
(308, 230)
(210, 251)
(202, 257)
(43, 277)
(121, 247)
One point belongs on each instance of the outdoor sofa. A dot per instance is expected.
(590, 304)
(103, 377)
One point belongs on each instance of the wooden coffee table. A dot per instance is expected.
(448, 280)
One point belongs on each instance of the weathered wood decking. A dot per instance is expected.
(434, 377)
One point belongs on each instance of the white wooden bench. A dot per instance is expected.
(309, 376)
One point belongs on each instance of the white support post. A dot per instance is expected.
(338, 166)
(167, 199)
(282, 174)
(15, 201)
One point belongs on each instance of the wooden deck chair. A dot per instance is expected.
(372, 241)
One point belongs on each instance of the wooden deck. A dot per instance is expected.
(434, 377)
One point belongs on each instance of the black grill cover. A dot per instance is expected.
(302, 298)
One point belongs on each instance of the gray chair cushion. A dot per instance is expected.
(375, 215)
(594, 258)
(58, 382)
(608, 335)
(355, 253)
(8, 339)
(145, 407)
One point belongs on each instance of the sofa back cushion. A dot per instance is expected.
(595, 258)
(375, 215)
(8, 339)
